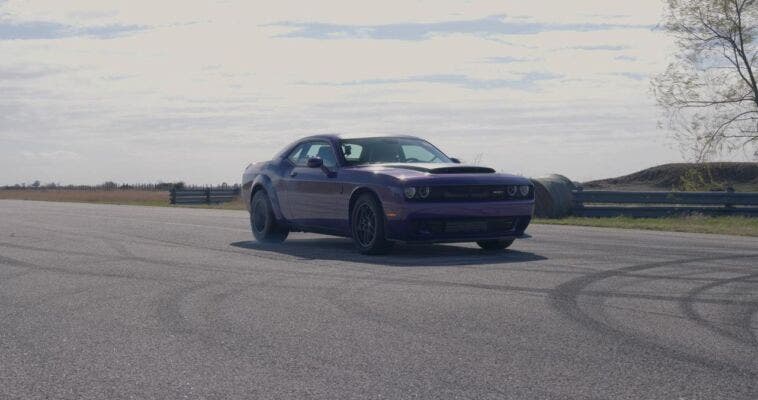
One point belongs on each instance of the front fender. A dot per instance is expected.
(265, 182)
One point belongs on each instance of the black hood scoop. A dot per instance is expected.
(463, 169)
(444, 168)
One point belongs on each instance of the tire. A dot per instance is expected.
(263, 222)
(493, 245)
(367, 226)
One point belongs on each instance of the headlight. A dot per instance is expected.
(524, 190)
(410, 191)
(424, 191)
(512, 191)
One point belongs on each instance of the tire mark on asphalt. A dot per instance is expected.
(179, 265)
(15, 262)
(110, 258)
(504, 288)
(304, 251)
(65, 271)
(12, 320)
(745, 320)
(638, 279)
(169, 312)
(747, 323)
(415, 282)
(51, 250)
(744, 334)
(565, 299)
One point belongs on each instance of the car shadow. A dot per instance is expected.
(402, 255)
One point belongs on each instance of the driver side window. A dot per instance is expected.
(297, 155)
(323, 150)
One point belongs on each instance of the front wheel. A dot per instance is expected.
(498, 244)
(263, 222)
(367, 225)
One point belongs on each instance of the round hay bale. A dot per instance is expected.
(552, 196)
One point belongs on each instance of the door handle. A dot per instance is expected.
(293, 174)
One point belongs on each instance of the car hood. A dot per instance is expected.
(442, 173)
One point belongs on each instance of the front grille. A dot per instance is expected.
(474, 193)
(442, 226)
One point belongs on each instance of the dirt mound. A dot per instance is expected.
(742, 176)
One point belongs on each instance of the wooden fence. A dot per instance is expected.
(661, 204)
(203, 196)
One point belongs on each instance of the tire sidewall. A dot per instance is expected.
(272, 232)
(379, 244)
(260, 199)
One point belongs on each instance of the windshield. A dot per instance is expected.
(390, 150)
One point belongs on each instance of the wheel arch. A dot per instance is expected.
(384, 243)
(263, 182)
(357, 193)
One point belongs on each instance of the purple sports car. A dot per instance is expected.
(381, 190)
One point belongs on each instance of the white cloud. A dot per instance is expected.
(195, 90)
(50, 156)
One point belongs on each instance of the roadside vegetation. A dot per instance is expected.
(124, 197)
(685, 177)
(129, 197)
(727, 225)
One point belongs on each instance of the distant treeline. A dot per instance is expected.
(156, 187)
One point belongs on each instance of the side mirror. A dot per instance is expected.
(315, 162)
(455, 160)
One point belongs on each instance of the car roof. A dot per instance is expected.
(336, 136)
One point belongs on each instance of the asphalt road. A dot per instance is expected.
(109, 302)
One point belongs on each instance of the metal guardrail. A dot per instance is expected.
(661, 204)
(202, 196)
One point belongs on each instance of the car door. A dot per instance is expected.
(313, 193)
(283, 183)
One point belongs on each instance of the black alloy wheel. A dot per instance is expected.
(367, 225)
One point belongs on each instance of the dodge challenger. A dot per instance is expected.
(381, 190)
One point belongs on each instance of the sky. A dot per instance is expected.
(146, 91)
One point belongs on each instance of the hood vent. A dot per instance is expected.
(462, 170)
(443, 169)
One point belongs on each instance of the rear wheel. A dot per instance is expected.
(499, 244)
(263, 222)
(367, 226)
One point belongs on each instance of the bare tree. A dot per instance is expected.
(709, 92)
(478, 159)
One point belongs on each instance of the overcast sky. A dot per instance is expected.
(142, 91)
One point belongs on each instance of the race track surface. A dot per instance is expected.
(110, 302)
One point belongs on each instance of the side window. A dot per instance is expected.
(352, 152)
(417, 153)
(323, 150)
(297, 155)
(313, 150)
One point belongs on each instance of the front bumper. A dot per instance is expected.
(457, 221)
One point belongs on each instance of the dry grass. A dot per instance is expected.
(127, 197)
(727, 225)
(235, 204)
(134, 197)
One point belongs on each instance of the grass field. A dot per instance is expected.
(698, 224)
(743, 226)
(126, 197)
